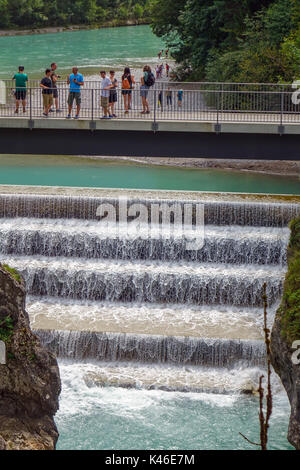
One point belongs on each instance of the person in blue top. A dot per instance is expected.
(75, 80)
(180, 98)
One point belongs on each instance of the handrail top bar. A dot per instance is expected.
(181, 83)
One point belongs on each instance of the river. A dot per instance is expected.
(89, 49)
(92, 172)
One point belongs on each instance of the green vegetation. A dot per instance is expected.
(6, 329)
(13, 272)
(240, 40)
(290, 306)
(42, 13)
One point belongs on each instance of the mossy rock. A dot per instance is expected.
(13, 272)
(290, 305)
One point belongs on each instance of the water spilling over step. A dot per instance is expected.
(149, 281)
(152, 319)
(111, 347)
(171, 378)
(215, 212)
(92, 240)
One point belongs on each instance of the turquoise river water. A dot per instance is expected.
(68, 171)
(154, 419)
(89, 49)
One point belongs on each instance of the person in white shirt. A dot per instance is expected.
(106, 85)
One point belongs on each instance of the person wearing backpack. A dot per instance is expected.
(127, 87)
(147, 81)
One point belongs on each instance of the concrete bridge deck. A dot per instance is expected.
(237, 136)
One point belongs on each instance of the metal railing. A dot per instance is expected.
(202, 104)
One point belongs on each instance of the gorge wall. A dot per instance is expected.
(286, 335)
(29, 380)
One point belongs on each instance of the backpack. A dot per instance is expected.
(125, 84)
(150, 79)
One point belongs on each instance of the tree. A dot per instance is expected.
(138, 11)
(240, 40)
(4, 14)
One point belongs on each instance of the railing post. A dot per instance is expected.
(281, 129)
(30, 104)
(281, 108)
(92, 104)
(218, 126)
(154, 124)
(30, 122)
(222, 97)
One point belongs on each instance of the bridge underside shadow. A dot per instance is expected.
(150, 144)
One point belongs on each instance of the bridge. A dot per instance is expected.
(214, 120)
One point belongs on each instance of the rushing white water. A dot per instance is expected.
(91, 239)
(215, 212)
(149, 281)
(139, 318)
(140, 311)
(146, 416)
(80, 345)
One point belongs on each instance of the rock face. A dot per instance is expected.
(290, 376)
(29, 381)
(286, 331)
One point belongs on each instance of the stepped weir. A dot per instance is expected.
(145, 303)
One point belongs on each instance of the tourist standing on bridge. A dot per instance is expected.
(54, 78)
(128, 83)
(47, 92)
(20, 94)
(75, 80)
(147, 80)
(113, 97)
(169, 97)
(106, 86)
(180, 98)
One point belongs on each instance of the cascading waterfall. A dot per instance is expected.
(258, 214)
(154, 349)
(147, 299)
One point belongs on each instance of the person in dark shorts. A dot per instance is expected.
(75, 80)
(47, 92)
(127, 87)
(105, 94)
(20, 94)
(54, 78)
(169, 97)
(113, 97)
(145, 87)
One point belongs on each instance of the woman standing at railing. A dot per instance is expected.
(147, 80)
(127, 87)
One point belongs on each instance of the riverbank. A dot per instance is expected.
(73, 27)
(280, 168)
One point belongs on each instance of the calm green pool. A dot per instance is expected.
(85, 172)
